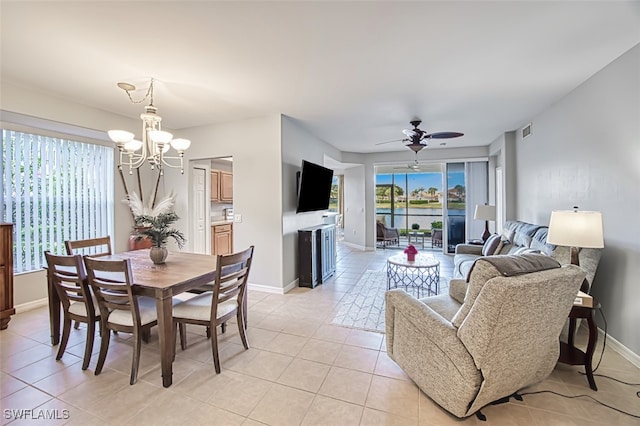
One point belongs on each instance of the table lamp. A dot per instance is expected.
(486, 213)
(576, 229)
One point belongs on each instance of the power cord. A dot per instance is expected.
(604, 344)
(581, 396)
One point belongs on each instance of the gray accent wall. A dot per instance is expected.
(585, 151)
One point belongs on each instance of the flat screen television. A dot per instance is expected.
(314, 187)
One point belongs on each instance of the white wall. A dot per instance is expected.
(503, 154)
(355, 230)
(297, 145)
(255, 147)
(585, 151)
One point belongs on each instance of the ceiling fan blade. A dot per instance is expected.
(410, 133)
(443, 135)
(396, 140)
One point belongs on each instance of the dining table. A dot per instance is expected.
(181, 272)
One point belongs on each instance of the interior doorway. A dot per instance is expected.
(199, 211)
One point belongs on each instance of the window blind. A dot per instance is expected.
(54, 190)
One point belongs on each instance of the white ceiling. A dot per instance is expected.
(353, 73)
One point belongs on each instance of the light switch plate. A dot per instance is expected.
(237, 218)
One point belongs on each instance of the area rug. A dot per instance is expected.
(363, 306)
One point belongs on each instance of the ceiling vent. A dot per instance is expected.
(526, 131)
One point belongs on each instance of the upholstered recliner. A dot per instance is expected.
(501, 338)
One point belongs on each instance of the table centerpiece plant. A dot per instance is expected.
(411, 252)
(155, 224)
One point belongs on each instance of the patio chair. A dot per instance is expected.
(386, 236)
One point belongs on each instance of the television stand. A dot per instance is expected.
(316, 254)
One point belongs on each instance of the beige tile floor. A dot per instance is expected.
(300, 370)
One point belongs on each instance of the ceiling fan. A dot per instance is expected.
(415, 137)
(415, 166)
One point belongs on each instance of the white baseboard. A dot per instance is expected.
(293, 284)
(34, 304)
(624, 352)
(355, 246)
(268, 288)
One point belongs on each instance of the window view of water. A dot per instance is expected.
(416, 200)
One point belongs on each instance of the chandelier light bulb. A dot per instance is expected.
(157, 147)
(180, 144)
(160, 136)
(120, 137)
(133, 145)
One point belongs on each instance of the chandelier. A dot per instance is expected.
(155, 141)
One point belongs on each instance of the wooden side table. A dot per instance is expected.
(571, 355)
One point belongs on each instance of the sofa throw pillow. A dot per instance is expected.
(506, 239)
(491, 245)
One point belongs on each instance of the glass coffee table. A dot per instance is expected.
(420, 277)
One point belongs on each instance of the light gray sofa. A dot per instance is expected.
(516, 237)
(502, 338)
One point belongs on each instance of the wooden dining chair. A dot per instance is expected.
(94, 247)
(70, 281)
(228, 299)
(120, 309)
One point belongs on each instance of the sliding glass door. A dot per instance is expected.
(410, 200)
(432, 199)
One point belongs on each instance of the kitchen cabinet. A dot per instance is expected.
(215, 185)
(221, 186)
(222, 239)
(6, 274)
(226, 186)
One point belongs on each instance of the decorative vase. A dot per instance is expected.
(158, 255)
(411, 257)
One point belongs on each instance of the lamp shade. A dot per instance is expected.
(576, 228)
(485, 212)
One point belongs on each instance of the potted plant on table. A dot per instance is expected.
(411, 252)
(155, 224)
(158, 229)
